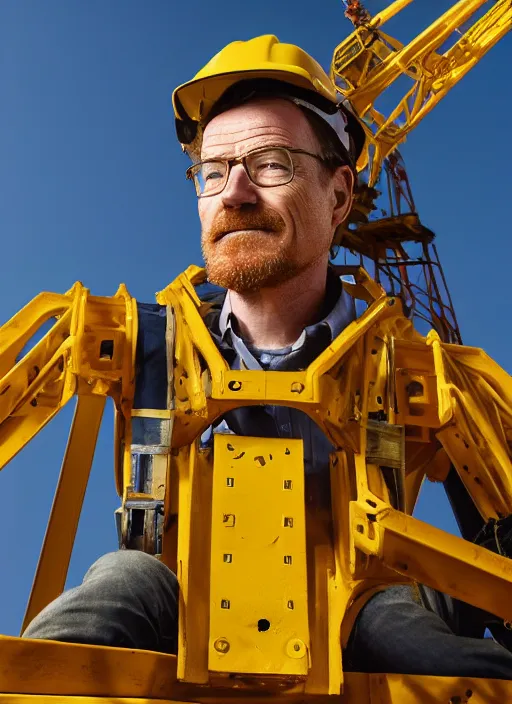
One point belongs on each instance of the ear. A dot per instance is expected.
(343, 188)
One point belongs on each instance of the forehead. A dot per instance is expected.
(254, 124)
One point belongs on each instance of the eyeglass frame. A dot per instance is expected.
(242, 160)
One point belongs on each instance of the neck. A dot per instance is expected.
(272, 318)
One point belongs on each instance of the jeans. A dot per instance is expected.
(129, 599)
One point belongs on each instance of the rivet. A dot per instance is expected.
(221, 645)
(296, 648)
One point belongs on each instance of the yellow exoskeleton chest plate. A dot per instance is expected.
(269, 586)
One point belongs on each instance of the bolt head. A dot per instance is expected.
(221, 645)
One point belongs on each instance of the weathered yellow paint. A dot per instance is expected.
(258, 548)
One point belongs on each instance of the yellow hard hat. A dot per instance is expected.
(262, 59)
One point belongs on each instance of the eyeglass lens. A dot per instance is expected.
(269, 167)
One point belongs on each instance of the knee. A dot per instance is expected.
(133, 566)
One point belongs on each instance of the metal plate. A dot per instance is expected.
(258, 602)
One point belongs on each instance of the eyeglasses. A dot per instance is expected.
(266, 167)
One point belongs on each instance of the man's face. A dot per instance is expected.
(254, 237)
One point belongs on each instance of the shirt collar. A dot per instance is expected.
(339, 304)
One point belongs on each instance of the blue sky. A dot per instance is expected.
(92, 189)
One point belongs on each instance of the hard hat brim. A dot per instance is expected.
(195, 99)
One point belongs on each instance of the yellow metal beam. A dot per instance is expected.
(84, 674)
(388, 12)
(17, 331)
(368, 62)
(43, 699)
(52, 568)
(48, 669)
(433, 557)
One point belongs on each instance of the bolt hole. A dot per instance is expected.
(106, 349)
(360, 528)
(379, 400)
(234, 385)
(414, 389)
(371, 503)
(263, 625)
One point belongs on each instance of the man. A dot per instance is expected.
(273, 169)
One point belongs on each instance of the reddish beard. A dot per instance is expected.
(247, 261)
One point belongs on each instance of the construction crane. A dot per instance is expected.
(399, 406)
(363, 67)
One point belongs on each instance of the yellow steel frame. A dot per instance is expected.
(444, 403)
(369, 61)
(71, 358)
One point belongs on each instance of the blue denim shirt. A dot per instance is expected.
(281, 421)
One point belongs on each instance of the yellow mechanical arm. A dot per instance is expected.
(89, 350)
(369, 61)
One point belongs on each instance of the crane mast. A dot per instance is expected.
(384, 232)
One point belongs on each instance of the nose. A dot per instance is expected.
(239, 189)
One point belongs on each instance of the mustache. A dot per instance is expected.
(244, 219)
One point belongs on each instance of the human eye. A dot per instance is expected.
(271, 165)
(271, 161)
(212, 171)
